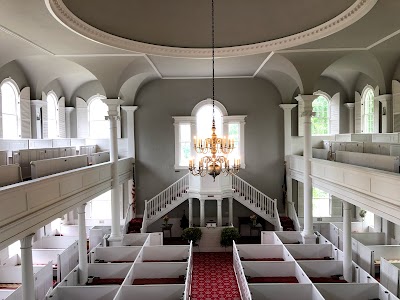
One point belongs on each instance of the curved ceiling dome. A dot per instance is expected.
(186, 24)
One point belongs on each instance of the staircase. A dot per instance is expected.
(243, 192)
(164, 202)
(256, 201)
(135, 225)
(287, 223)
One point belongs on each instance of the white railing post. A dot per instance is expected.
(144, 222)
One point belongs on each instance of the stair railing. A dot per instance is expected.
(144, 222)
(277, 224)
(128, 217)
(293, 215)
(260, 200)
(167, 196)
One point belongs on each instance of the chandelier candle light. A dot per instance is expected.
(214, 165)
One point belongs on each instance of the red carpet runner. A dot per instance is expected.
(213, 277)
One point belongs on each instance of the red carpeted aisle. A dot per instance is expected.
(213, 277)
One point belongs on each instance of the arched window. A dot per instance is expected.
(10, 110)
(320, 122)
(98, 126)
(52, 115)
(367, 106)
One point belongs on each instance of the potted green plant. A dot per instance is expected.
(362, 214)
(228, 235)
(192, 234)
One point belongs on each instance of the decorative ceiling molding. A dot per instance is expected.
(360, 8)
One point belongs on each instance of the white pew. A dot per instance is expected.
(3, 158)
(354, 291)
(320, 153)
(10, 174)
(307, 252)
(289, 237)
(390, 276)
(134, 239)
(105, 292)
(248, 252)
(321, 268)
(51, 166)
(159, 292)
(99, 157)
(166, 253)
(114, 254)
(284, 292)
(375, 161)
(156, 270)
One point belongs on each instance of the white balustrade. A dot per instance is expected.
(167, 196)
(259, 199)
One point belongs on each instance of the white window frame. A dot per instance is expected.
(329, 98)
(15, 86)
(226, 120)
(177, 122)
(89, 102)
(53, 94)
(363, 115)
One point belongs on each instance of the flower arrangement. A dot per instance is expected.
(253, 218)
(166, 218)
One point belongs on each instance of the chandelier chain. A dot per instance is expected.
(213, 54)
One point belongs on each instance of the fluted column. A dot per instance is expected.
(115, 193)
(287, 119)
(350, 106)
(308, 232)
(82, 242)
(219, 212)
(190, 212)
(347, 249)
(28, 285)
(230, 211)
(202, 214)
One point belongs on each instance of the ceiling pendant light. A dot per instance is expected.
(213, 164)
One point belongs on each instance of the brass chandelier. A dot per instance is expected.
(213, 164)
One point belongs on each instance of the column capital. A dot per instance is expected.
(111, 117)
(81, 208)
(129, 108)
(38, 103)
(287, 106)
(384, 98)
(350, 105)
(69, 108)
(307, 102)
(112, 105)
(26, 242)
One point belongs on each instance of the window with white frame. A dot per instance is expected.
(10, 105)
(320, 122)
(52, 115)
(367, 106)
(14, 249)
(199, 124)
(98, 125)
(321, 203)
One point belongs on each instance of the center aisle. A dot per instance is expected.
(213, 277)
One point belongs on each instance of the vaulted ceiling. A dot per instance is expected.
(124, 44)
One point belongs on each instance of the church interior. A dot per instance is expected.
(203, 150)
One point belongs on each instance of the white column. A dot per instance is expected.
(230, 211)
(36, 116)
(83, 260)
(115, 192)
(202, 216)
(347, 251)
(190, 212)
(130, 128)
(68, 111)
(219, 212)
(308, 232)
(28, 285)
(387, 112)
(350, 106)
(287, 119)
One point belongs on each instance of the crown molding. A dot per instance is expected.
(355, 12)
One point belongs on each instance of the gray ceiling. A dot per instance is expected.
(187, 23)
(45, 50)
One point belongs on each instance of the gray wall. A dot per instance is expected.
(159, 100)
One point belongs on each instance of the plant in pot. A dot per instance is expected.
(192, 234)
(166, 219)
(362, 214)
(228, 235)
